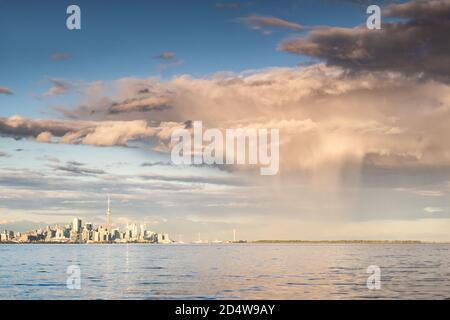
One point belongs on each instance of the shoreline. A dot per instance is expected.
(368, 242)
(347, 242)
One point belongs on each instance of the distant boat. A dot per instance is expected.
(216, 242)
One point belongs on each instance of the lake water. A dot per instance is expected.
(228, 271)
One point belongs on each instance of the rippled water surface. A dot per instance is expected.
(238, 271)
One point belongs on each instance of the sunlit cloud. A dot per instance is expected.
(258, 22)
(6, 91)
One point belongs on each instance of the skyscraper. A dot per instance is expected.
(76, 226)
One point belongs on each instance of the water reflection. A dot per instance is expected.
(244, 271)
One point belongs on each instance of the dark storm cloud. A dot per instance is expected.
(416, 46)
(424, 10)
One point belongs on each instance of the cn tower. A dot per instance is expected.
(108, 216)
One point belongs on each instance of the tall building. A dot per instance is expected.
(103, 234)
(88, 226)
(86, 234)
(76, 226)
(96, 236)
(61, 233)
(133, 229)
(108, 216)
(6, 235)
(142, 231)
(163, 238)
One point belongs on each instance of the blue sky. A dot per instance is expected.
(121, 39)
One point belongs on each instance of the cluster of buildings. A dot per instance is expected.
(76, 232)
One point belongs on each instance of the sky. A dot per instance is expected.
(363, 115)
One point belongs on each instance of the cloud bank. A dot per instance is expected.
(326, 117)
(414, 46)
(97, 133)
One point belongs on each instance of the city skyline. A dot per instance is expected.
(361, 115)
(77, 232)
(108, 232)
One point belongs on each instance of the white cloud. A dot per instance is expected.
(433, 209)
